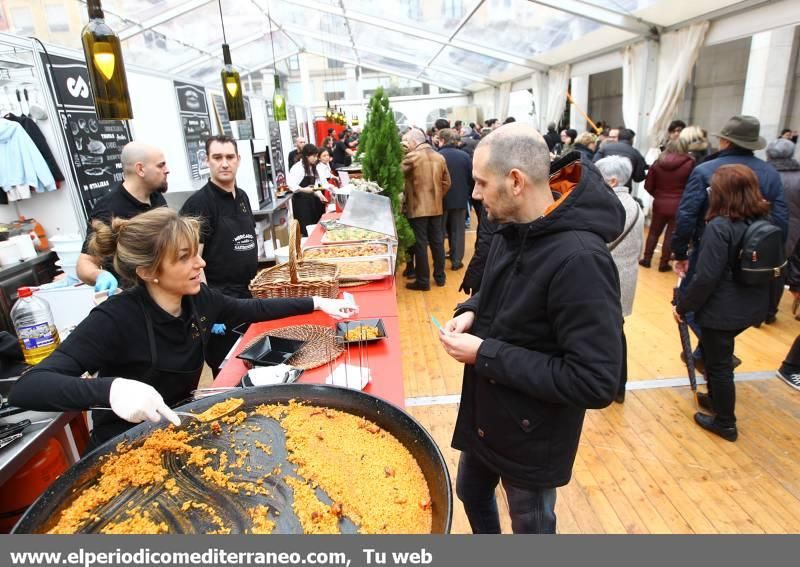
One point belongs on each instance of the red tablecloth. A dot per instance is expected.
(375, 300)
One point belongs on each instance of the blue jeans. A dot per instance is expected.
(533, 511)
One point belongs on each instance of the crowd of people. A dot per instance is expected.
(560, 245)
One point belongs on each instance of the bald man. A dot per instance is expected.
(145, 172)
(541, 341)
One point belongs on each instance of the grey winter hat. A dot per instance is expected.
(780, 149)
(744, 132)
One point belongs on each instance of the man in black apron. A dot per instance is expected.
(227, 239)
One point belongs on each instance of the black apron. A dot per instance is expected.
(174, 385)
(233, 251)
(307, 208)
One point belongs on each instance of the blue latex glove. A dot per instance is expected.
(218, 329)
(106, 282)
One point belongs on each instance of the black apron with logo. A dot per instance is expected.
(174, 385)
(307, 208)
(233, 252)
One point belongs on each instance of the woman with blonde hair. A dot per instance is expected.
(146, 345)
(697, 145)
(586, 144)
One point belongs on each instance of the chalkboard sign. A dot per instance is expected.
(275, 146)
(290, 111)
(222, 115)
(94, 146)
(196, 124)
(245, 126)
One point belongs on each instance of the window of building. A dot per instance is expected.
(335, 64)
(294, 63)
(414, 9)
(453, 9)
(22, 20)
(57, 18)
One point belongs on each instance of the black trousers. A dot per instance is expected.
(428, 231)
(532, 511)
(454, 225)
(718, 357)
(775, 294)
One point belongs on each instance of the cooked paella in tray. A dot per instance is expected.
(292, 459)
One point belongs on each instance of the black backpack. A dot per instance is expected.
(761, 254)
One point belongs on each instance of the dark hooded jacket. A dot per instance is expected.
(549, 313)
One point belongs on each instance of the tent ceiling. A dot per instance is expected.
(463, 45)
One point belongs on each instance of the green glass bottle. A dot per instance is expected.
(103, 54)
(232, 87)
(278, 101)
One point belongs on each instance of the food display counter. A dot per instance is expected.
(377, 299)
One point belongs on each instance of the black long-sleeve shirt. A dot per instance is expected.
(113, 341)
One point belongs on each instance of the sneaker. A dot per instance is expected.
(457, 267)
(644, 263)
(440, 282)
(665, 268)
(792, 379)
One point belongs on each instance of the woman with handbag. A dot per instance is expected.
(723, 307)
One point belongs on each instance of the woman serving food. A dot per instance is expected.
(145, 346)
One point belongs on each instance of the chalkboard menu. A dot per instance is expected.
(94, 146)
(222, 115)
(196, 125)
(290, 111)
(276, 148)
(245, 126)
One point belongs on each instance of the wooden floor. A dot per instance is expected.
(643, 467)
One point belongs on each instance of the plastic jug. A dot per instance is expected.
(35, 326)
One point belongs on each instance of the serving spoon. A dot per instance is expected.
(211, 414)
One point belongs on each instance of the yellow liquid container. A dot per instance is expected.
(35, 326)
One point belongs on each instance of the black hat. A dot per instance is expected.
(744, 132)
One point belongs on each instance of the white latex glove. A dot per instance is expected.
(336, 308)
(136, 401)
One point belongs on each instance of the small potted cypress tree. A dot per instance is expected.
(381, 157)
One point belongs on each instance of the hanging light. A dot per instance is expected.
(329, 112)
(278, 98)
(231, 83)
(278, 101)
(103, 54)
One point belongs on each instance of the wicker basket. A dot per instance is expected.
(296, 278)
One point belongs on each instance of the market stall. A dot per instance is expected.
(377, 299)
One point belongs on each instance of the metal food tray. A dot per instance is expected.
(388, 258)
(43, 514)
(385, 243)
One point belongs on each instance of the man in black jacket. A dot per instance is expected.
(624, 147)
(542, 340)
(459, 165)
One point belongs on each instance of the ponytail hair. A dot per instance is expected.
(144, 241)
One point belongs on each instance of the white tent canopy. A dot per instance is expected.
(461, 45)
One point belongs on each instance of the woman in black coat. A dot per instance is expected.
(723, 307)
